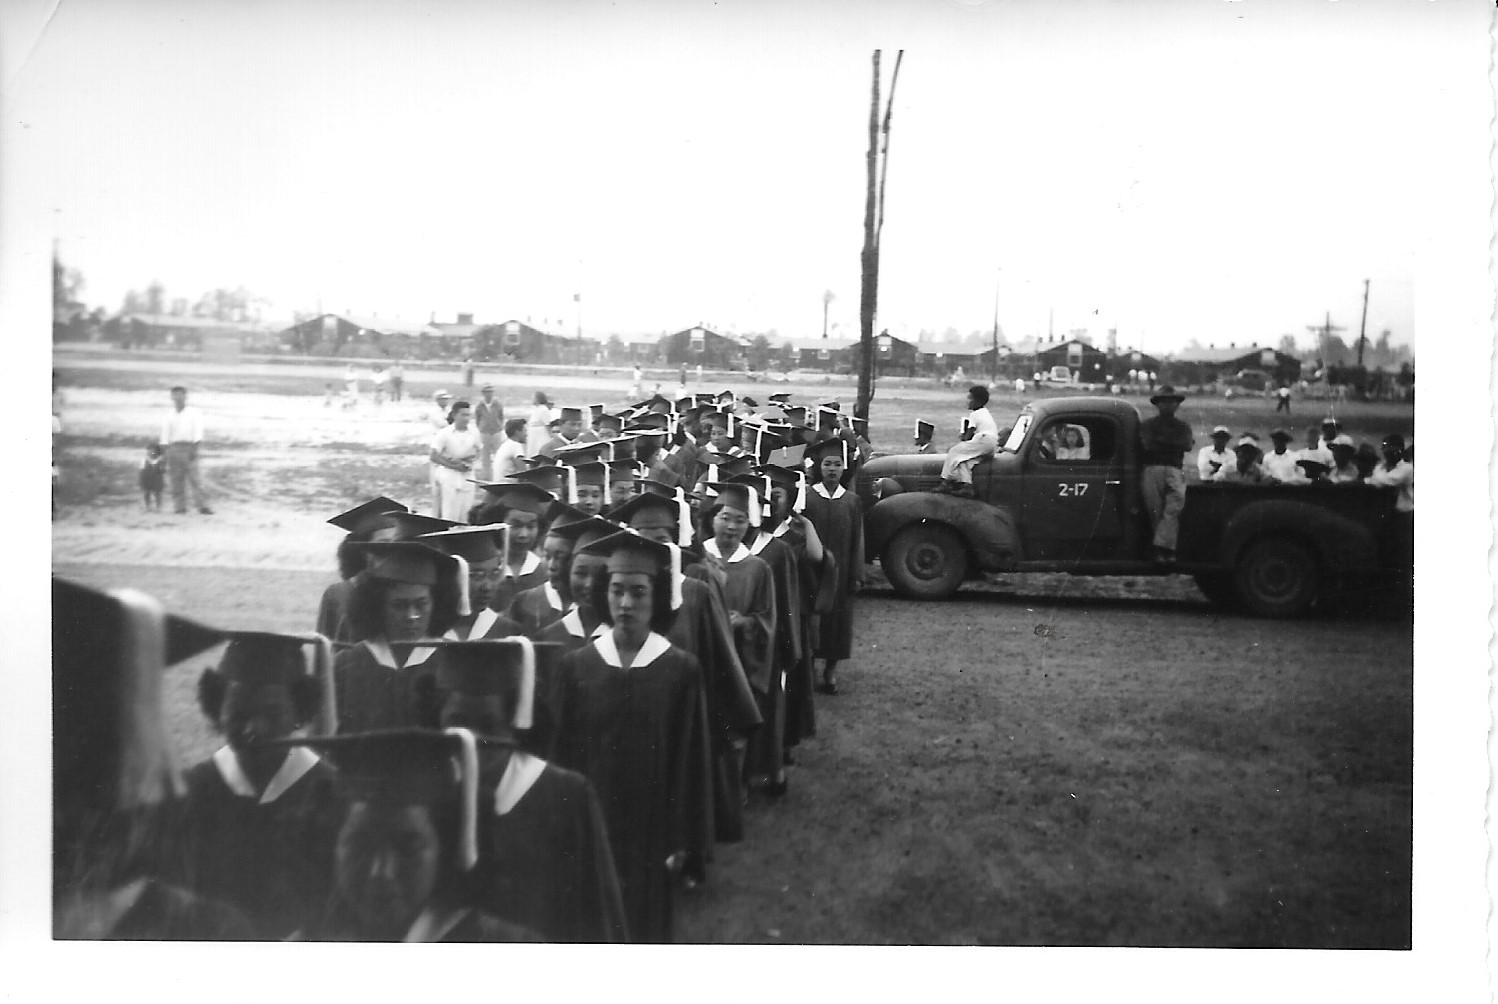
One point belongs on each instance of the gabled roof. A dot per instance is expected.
(384, 325)
(1223, 354)
(452, 330)
(831, 344)
(187, 322)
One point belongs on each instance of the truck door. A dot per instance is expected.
(1072, 497)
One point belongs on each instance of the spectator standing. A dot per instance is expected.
(397, 380)
(379, 380)
(350, 386)
(468, 371)
(637, 383)
(455, 449)
(437, 419)
(1163, 442)
(536, 434)
(1283, 404)
(182, 436)
(489, 419)
(1399, 474)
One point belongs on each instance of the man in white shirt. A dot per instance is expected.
(1279, 463)
(1396, 472)
(979, 440)
(181, 435)
(1213, 458)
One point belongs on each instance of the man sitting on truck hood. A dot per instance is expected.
(1279, 463)
(980, 440)
(1163, 442)
(1214, 458)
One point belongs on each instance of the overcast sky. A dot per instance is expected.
(1217, 170)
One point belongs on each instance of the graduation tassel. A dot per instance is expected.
(683, 519)
(463, 608)
(525, 698)
(800, 504)
(754, 513)
(468, 781)
(675, 577)
(322, 670)
(571, 485)
(147, 773)
(606, 483)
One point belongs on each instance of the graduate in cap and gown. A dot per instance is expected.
(542, 604)
(522, 504)
(482, 549)
(749, 593)
(702, 627)
(257, 824)
(569, 434)
(631, 723)
(582, 618)
(544, 855)
(838, 516)
(114, 774)
(410, 592)
(365, 522)
(789, 544)
(407, 841)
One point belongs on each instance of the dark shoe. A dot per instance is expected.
(964, 491)
(830, 689)
(205, 510)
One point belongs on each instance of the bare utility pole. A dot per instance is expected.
(1322, 333)
(996, 325)
(1363, 327)
(873, 225)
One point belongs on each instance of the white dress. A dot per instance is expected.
(454, 489)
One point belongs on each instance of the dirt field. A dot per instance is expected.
(1044, 761)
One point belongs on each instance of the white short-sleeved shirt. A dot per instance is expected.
(982, 424)
(1282, 466)
(1401, 476)
(1207, 456)
(456, 445)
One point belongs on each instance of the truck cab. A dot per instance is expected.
(1062, 494)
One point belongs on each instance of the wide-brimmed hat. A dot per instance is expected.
(1167, 393)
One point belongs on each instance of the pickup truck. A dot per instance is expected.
(1273, 550)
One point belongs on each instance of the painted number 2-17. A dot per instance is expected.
(1077, 490)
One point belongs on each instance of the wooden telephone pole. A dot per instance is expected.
(1363, 327)
(873, 225)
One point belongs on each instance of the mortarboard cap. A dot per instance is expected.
(371, 515)
(816, 451)
(643, 485)
(408, 561)
(630, 553)
(860, 426)
(265, 658)
(649, 421)
(560, 514)
(649, 510)
(410, 525)
(547, 479)
(780, 397)
(487, 542)
(110, 747)
(726, 465)
(487, 667)
(594, 410)
(612, 424)
(741, 496)
(572, 415)
(589, 528)
(796, 415)
(924, 430)
(584, 453)
(522, 494)
(408, 767)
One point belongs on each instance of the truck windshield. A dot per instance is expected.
(1017, 434)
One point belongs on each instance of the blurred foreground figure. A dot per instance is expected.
(406, 841)
(113, 774)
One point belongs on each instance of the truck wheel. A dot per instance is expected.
(1217, 587)
(925, 560)
(1276, 577)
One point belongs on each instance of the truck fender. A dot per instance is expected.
(1342, 546)
(988, 531)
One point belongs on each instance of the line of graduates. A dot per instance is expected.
(534, 726)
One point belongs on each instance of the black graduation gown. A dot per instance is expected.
(484, 624)
(767, 745)
(701, 628)
(839, 524)
(533, 609)
(373, 694)
(271, 860)
(800, 680)
(636, 735)
(332, 612)
(545, 861)
(513, 585)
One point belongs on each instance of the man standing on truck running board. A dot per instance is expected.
(1163, 442)
(980, 440)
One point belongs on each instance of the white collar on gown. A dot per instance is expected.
(299, 760)
(655, 646)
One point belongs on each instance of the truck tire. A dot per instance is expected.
(1217, 587)
(1276, 577)
(927, 561)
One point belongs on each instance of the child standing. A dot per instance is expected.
(153, 477)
